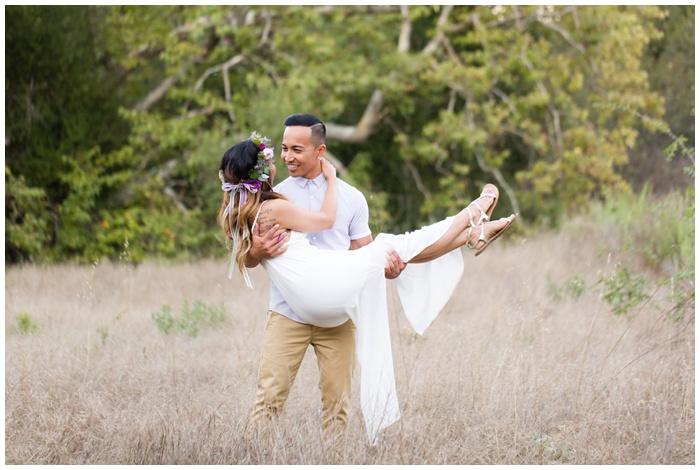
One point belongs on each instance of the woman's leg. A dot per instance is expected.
(458, 235)
(477, 212)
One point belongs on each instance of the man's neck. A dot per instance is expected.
(313, 175)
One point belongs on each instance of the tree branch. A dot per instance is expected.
(487, 169)
(232, 62)
(557, 144)
(163, 173)
(227, 95)
(518, 17)
(498, 92)
(161, 90)
(501, 180)
(442, 21)
(363, 129)
(451, 52)
(565, 34)
(372, 114)
(265, 36)
(405, 33)
(181, 32)
(453, 99)
(170, 192)
(419, 182)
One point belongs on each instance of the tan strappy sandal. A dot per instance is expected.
(482, 237)
(485, 216)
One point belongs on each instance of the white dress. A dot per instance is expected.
(326, 287)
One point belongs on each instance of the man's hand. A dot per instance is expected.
(394, 265)
(266, 246)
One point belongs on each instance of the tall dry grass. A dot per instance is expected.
(505, 375)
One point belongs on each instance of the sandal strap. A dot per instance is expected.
(469, 236)
(483, 217)
(482, 237)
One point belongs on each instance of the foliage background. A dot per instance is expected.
(116, 116)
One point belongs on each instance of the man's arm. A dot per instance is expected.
(360, 242)
(394, 264)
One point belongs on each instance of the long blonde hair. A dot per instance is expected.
(236, 216)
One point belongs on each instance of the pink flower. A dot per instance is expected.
(268, 152)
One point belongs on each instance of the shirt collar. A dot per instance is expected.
(319, 181)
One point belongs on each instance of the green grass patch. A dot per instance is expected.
(24, 325)
(659, 233)
(574, 287)
(191, 318)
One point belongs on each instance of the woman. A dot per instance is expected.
(324, 287)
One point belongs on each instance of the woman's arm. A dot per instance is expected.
(289, 216)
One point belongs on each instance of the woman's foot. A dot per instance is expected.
(481, 208)
(487, 232)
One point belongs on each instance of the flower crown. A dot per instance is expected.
(261, 170)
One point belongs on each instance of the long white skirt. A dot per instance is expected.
(326, 287)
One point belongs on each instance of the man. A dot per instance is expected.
(286, 336)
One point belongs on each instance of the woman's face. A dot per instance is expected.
(300, 154)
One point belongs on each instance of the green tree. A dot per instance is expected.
(423, 105)
(443, 98)
(59, 104)
(670, 64)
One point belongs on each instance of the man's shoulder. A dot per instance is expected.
(349, 190)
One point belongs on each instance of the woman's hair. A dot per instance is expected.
(236, 163)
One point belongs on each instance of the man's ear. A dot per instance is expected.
(321, 150)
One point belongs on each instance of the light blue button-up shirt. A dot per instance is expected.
(351, 222)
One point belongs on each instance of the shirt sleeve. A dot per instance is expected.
(359, 227)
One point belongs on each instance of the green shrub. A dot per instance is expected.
(624, 292)
(164, 319)
(27, 223)
(657, 231)
(573, 287)
(191, 319)
(24, 324)
(661, 234)
(552, 451)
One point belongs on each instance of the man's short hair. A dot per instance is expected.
(318, 128)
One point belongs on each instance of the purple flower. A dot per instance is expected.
(261, 146)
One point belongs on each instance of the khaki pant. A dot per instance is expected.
(284, 347)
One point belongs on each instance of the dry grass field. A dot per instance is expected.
(507, 374)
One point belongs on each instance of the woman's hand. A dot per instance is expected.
(328, 169)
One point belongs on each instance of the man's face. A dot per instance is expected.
(299, 152)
